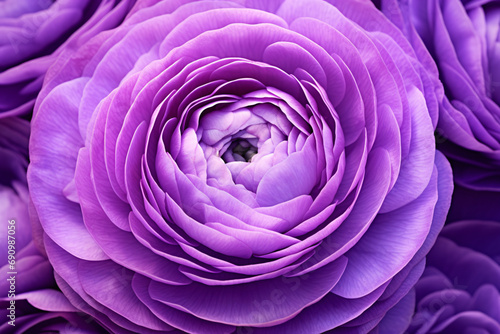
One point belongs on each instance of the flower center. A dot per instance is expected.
(240, 150)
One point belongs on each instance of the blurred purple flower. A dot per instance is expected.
(460, 289)
(31, 34)
(240, 166)
(14, 197)
(37, 307)
(463, 38)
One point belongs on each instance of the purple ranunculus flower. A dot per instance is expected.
(463, 38)
(31, 33)
(460, 289)
(240, 167)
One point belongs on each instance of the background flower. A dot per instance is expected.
(218, 166)
(14, 197)
(31, 33)
(459, 291)
(38, 305)
(463, 38)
